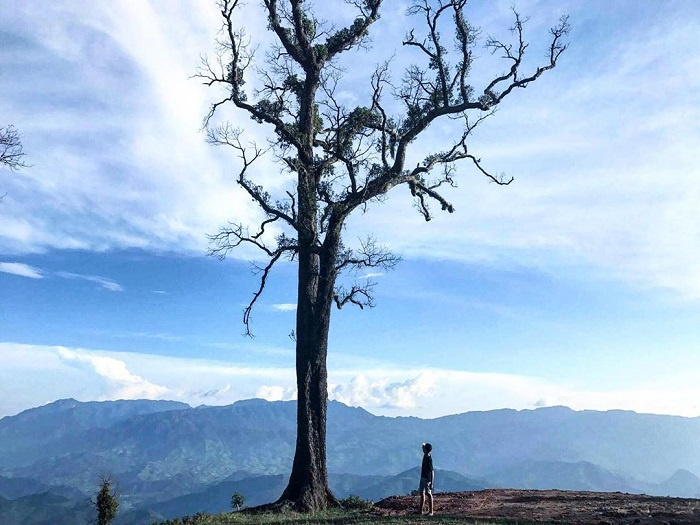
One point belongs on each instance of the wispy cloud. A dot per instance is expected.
(32, 272)
(212, 393)
(148, 335)
(103, 282)
(253, 349)
(21, 269)
(284, 307)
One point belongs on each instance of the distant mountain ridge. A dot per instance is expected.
(22, 436)
(682, 483)
(582, 475)
(164, 451)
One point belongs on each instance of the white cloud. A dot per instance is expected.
(285, 307)
(682, 400)
(103, 282)
(606, 177)
(31, 374)
(21, 269)
(118, 159)
(382, 393)
(123, 384)
(276, 393)
(435, 392)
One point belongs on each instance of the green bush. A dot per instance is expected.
(106, 502)
(355, 502)
(195, 519)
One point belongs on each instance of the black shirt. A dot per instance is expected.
(426, 469)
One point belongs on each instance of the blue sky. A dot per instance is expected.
(579, 284)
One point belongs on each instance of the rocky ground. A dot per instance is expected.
(555, 506)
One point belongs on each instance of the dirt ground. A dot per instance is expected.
(555, 506)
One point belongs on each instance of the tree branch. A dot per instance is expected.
(346, 38)
(426, 102)
(263, 280)
(227, 136)
(282, 33)
(232, 74)
(11, 152)
(369, 255)
(229, 238)
(556, 48)
(359, 295)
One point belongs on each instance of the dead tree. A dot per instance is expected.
(344, 159)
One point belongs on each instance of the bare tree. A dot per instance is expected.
(344, 159)
(11, 153)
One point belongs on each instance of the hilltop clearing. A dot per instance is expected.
(485, 507)
(554, 506)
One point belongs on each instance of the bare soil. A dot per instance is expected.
(554, 506)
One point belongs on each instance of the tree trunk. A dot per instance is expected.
(308, 482)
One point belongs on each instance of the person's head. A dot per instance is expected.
(427, 447)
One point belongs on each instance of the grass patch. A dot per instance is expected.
(330, 517)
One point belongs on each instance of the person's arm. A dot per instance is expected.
(432, 474)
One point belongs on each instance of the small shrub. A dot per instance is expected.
(354, 502)
(195, 519)
(106, 502)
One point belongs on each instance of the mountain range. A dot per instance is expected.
(170, 459)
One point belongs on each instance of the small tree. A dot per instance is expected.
(237, 501)
(343, 159)
(106, 502)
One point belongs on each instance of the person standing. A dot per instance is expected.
(427, 479)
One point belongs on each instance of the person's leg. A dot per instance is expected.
(422, 502)
(430, 502)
